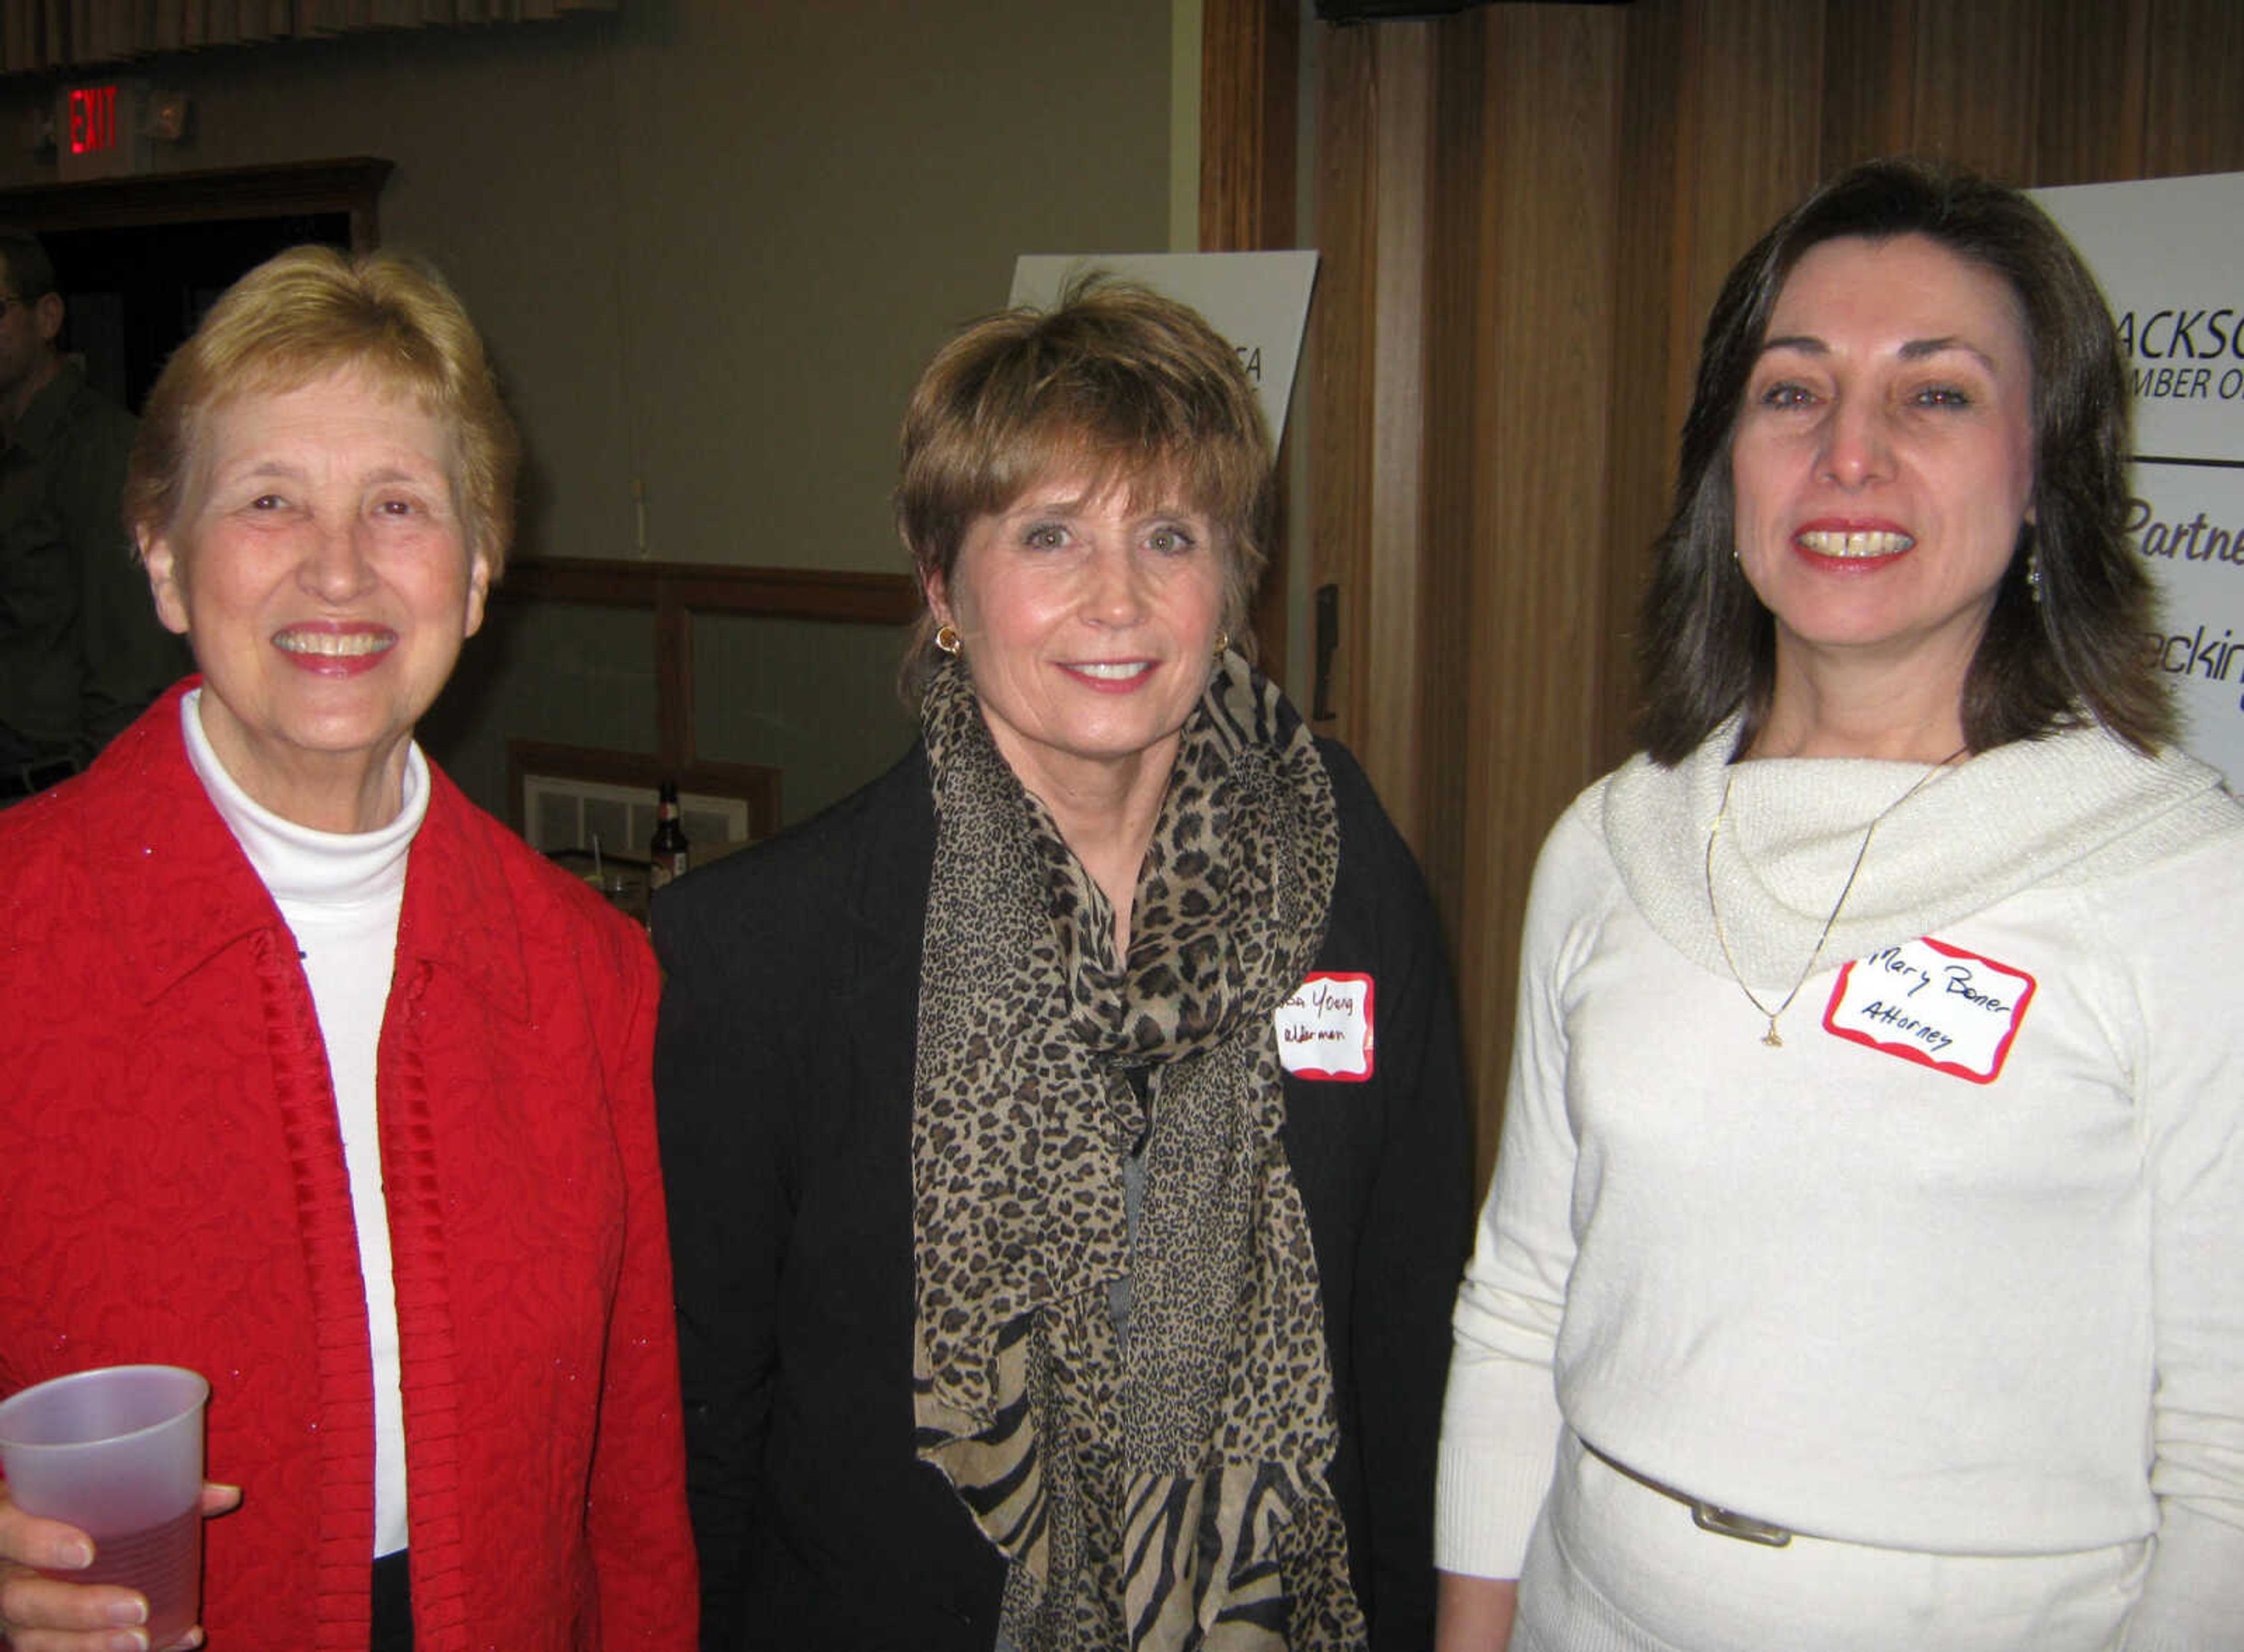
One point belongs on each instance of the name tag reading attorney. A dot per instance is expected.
(1929, 1002)
(1324, 1030)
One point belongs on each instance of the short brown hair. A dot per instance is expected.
(1706, 644)
(1114, 379)
(31, 271)
(311, 311)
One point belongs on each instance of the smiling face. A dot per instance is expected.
(1882, 459)
(1088, 623)
(319, 570)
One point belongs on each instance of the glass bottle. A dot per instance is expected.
(668, 848)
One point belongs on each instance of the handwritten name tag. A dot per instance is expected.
(1929, 1002)
(1324, 1030)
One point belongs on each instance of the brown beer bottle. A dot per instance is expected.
(667, 848)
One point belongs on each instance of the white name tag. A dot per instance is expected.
(1929, 1002)
(1324, 1030)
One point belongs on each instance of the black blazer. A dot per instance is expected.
(784, 1082)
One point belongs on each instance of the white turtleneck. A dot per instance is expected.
(341, 893)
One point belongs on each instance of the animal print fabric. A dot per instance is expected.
(1155, 1479)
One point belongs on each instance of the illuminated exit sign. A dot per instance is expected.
(97, 131)
(92, 128)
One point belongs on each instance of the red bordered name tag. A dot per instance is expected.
(1935, 1004)
(1324, 1030)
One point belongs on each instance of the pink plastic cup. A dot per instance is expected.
(117, 1452)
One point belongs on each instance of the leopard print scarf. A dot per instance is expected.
(1144, 1430)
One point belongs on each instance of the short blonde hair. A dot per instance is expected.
(311, 311)
(1116, 385)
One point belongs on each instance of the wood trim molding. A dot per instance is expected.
(671, 594)
(701, 588)
(301, 188)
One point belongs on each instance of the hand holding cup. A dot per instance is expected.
(101, 1519)
(43, 1612)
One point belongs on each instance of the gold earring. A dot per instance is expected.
(948, 640)
(1222, 644)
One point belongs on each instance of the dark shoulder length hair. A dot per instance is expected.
(1706, 646)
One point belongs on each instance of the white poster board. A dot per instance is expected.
(2169, 254)
(1258, 300)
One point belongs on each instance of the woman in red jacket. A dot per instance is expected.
(319, 1081)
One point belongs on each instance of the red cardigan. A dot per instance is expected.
(175, 1193)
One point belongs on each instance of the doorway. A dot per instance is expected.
(139, 260)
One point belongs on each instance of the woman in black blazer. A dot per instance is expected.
(1064, 1135)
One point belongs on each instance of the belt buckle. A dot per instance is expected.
(1727, 1522)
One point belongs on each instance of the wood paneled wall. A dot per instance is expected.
(1524, 213)
(1250, 52)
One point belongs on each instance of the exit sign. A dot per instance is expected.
(97, 130)
(92, 128)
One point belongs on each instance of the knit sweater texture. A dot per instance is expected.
(177, 1194)
(1832, 1284)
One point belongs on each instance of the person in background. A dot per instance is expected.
(1862, 1245)
(1060, 1262)
(81, 654)
(320, 1081)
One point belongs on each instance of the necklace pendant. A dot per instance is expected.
(1862, 853)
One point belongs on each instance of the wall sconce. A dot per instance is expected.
(165, 120)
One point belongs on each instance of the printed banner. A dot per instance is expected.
(2169, 254)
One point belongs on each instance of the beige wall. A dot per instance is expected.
(711, 240)
(711, 243)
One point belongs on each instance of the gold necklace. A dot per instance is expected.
(1721, 940)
